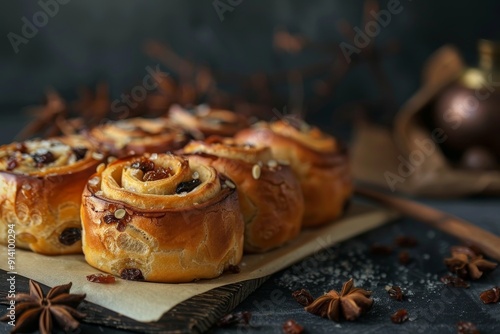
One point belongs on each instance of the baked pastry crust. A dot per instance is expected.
(41, 183)
(318, 161)
(270, 196)
(168, 234)
(202, 121)
(137, 136)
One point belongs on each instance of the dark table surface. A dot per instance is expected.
(432, 306)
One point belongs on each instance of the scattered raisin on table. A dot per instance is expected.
(399, 316)
(292, 327)
(454, 281)
(465, 327)
(395, 292)
(303, 297)
(490, 296)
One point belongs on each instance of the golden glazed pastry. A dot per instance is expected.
(137, 136)
(269, 194)
(317, 160)
(41, 184)
(161, 218)
(202, 121)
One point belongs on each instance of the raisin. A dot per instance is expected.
(12, 163)
(406, 242)
(231, 319)
(187, 186)
(21, 147)
(454, 281)
(121, 226)
(70, 236)
(464, 327)
(145, 165)
(101, 278)
(303, 297)
(399, 316)
(109, 219)
(80, 152)
(43, 158)
(157, 174)
(490, 296)
(233, 269)
(292, 327)
(115, 218)
(395, 293)
(132, 274)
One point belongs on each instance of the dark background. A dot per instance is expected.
(91, 41)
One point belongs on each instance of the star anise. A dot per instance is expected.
(467, 264)
(36, 309)
(350, 303)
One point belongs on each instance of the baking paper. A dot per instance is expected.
(144, 301)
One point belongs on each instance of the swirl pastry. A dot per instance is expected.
(41, 184)
(161, 218)
(203, 121)
(269, 194)
(137, 136)
(317, 160)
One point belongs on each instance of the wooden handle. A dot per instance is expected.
(489, 243)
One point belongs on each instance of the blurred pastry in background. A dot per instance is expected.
(203, 121)
(317, 159)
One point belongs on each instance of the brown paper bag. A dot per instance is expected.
(407, 158)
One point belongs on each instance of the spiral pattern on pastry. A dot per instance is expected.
(168, 218)
(203, 121)
(41, 184)
(318, 161)
(137, 136)
(269, 194)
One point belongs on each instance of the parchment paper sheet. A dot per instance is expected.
(144, 301)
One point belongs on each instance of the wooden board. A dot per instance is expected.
(195, 315)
